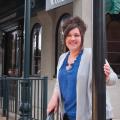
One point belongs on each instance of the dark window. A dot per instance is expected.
(113, 41)
(36, 49)
(13, 52)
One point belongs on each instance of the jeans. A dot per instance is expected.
(65, 117)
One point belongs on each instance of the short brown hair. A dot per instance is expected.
(74, 22)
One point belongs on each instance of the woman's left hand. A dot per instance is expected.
(107, 70)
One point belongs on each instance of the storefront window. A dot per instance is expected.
(13, 51)
(1, 53)
(36, 49)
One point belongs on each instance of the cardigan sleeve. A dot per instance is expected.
(112, 78)
(56, 87)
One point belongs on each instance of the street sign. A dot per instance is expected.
(51, 4)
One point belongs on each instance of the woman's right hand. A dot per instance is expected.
(107, 70)
(53, 105)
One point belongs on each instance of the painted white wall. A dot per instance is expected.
(46, 48)
(84, 9)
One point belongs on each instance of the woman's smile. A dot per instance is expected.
(73, 40)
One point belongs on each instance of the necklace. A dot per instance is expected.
(69, 66)
(70, 62)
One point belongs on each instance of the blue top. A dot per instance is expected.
(67, 81)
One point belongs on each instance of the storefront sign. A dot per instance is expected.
(51, 4)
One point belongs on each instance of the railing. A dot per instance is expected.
(16, 92)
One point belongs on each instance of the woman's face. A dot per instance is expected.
(73, 40)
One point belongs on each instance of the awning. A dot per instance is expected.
(14, 9)
(51, 4)
(112, 6)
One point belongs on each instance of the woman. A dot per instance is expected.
(73, 89)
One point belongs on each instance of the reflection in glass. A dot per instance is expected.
(36, 49)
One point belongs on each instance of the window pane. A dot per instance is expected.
(36, 49)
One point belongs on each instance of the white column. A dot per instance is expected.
(84, 9)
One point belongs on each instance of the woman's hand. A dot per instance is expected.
(107, 70)
(53, 105)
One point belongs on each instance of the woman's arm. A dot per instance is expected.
(111, 76)
(54, 101)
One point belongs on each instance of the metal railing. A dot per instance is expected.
(23, 98)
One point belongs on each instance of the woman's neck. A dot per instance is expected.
(72, 57)
(74, 54)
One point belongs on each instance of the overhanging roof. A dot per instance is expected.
(112, 6)
(15, 8)
(7, 6)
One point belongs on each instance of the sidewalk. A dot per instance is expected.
(114, 92)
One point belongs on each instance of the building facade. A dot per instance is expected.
(45, 38)
(46, 42)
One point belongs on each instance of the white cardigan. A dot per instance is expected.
(84, 87)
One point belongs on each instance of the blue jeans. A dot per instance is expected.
(66, 117)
